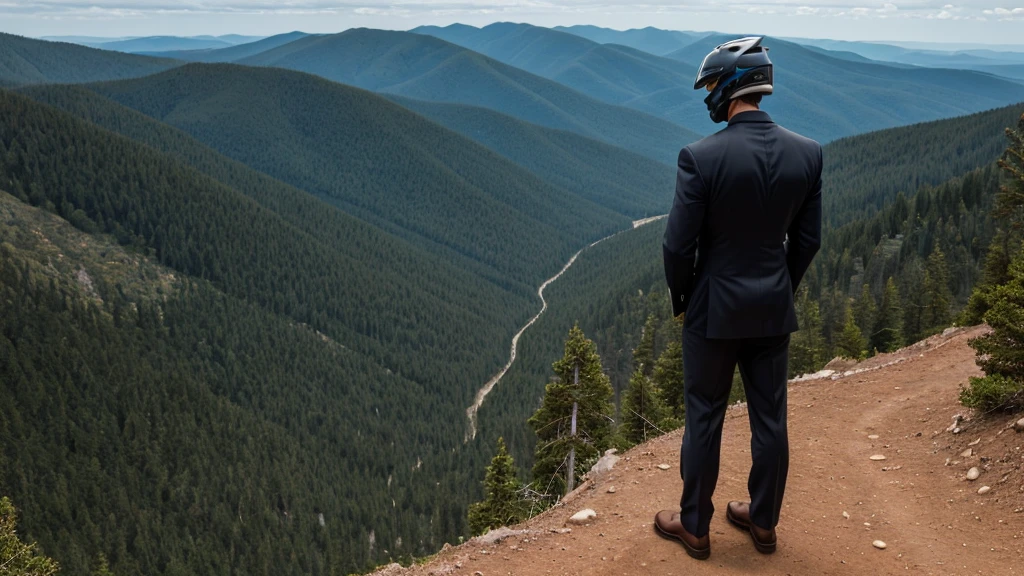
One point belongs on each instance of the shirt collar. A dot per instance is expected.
(750, 116)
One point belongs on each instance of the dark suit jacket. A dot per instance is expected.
(739, 194)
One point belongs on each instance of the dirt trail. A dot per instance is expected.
(917, 500)
(482, 393)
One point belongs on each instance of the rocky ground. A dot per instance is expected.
(843, 500)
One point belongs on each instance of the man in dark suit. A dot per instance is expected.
(744, 227)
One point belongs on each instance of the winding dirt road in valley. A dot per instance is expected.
(918, 500)
(482, 393)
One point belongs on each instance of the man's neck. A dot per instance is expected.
(739, 106)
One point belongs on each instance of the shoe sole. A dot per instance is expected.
(758, 545)
(695, 553)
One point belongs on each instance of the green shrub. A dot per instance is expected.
(991, 393)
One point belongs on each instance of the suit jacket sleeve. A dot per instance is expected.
(805, 232)
(685, 222)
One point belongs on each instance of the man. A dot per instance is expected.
(745, 225)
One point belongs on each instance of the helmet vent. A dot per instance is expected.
(734, 48)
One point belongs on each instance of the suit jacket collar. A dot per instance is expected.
(750, 116)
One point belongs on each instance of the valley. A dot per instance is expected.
(269, 300)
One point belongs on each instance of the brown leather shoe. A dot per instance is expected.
(667, 525)
(738, 513)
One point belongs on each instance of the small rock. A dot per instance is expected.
(611, 489)
(975, 443)
(984, 490)
(846, 514)
(1019, 425)
(478, 573)
(663, 466)
(583, 516)
(877, 457)
(873, 437)
(561, 530)
(967, 453)
(878, 544)
(973, 473)
(605, 463)
(957, 430)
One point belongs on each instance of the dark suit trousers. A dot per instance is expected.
(708, 366)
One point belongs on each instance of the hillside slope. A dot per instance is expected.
(427, 68)
(377, 161)
(864, 172)
(296, 307)
(626, 182)
(917, 501)
(28, 61)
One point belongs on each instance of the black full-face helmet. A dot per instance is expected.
(731, 70)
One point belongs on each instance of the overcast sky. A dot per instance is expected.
(981, 21)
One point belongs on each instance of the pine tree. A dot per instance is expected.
(668, 377)
(937, 296)
(807, 347)
(643, 356)
(888, 330)
(851, 342)
(642, 410)
(16, 557)
(1000, 353)
(503, 503)
(574, 424)
(864, 311)
(1009, 213)
(102, 567)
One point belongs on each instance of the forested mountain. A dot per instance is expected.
(396, 360)
(826, 98)
(609, 72)
(427, 68)
(862, 173)
(233, 52)
(652, 40)
(343, 144)
(628, 183)
(27, 61)
(817, 94)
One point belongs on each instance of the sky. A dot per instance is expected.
(975, 21)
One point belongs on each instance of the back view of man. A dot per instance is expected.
(744, 227)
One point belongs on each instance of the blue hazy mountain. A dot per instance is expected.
(29, 61)
(163, 44)
(232, 53)
(827, 97)
(653, 40)
(819, 94)
(609, 72)
(427, 68)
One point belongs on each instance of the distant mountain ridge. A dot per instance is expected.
(426, 68)
(613, 73)
(653, 40)
(28, 61)
(234, 52)
(819, 94)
